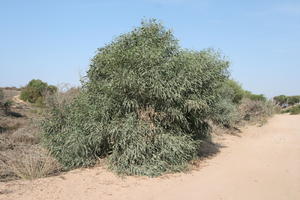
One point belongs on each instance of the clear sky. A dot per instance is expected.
(54, 40)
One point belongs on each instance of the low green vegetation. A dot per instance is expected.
(146, 105)
(289, 104)
(36, 90)
(294, 110)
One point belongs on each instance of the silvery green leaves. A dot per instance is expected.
(145, 105)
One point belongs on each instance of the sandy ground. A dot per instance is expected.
(263, 163)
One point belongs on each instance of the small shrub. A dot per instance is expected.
(1, 95)
(7, 106)
(36, 90)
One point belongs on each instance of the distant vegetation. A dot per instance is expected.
(36, 90)
(255, 97)
(289, 104)
(236, 105)
(286, 101)
(147, 105)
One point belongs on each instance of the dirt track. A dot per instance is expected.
(262, 164)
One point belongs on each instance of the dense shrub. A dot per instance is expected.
(36, 90)
(292, 100)
(280, 100)
(145, 105)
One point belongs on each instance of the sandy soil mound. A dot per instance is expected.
(264, 163)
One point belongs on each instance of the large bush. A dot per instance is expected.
(36, 90)
(144, 105)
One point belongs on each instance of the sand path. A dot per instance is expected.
(262, 164)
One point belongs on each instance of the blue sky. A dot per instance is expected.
(55, 40)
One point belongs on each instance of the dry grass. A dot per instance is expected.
(256, 111)
(9, 93)
(65, 95)
(20, 154)
(27, 162)
(21, 157)
(26, 135)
